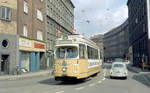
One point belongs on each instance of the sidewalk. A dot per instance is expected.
(27, 75)
(133, 68)
(142, 76)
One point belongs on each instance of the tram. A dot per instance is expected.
(76, 57)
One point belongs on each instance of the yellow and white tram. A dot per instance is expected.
(76, 57)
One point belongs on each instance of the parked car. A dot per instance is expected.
(119, 69)
(108, 61)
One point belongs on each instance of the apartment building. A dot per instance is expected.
(22, 36)
(116, 42)
(139, 34)
(31, 28)
(60, 20)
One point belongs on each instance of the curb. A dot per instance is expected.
(133, 69)
(25, 76)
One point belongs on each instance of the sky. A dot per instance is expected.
(99, 16)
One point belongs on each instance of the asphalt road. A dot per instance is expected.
(98, 84)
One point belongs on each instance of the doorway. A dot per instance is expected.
(5, 64)
(42, 61)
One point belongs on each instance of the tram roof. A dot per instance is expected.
(77, 39)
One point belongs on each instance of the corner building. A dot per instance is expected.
(22, 36)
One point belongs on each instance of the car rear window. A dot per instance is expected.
(118, 65)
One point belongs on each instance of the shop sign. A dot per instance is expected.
(38, 45)
(25, 43)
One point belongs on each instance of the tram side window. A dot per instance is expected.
(89, 52)
(96, 54)
(82, 51)
(92, 53)
(100, 55)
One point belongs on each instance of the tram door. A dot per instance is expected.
(4, 64)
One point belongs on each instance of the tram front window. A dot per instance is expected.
(66, 52)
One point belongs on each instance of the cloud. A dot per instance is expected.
(99, 16)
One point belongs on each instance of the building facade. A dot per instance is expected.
(139, 31)
(98, 39)
(116, 42)
(31, 29)
(8, 36)
(22, 36)
(60, 17)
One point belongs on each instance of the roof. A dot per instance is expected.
(113, 29)
(76, 39)
(116, 29)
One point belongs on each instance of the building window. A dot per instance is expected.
(25, 30)
(136, 20)
(6, 13)
(144, 29)
(39, 35)
(39, 15)
(5, 43)
(25, 7)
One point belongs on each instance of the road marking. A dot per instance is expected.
(60, 92)
(91, 85)
(79, 88)
(13, 78)
(104, 72)
(99, 81)
(103, 79)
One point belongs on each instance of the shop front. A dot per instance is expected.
(31, 55)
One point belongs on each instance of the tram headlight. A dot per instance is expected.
(64, 69)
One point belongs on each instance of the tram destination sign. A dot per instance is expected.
(65, 42)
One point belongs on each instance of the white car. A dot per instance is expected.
(119, 69)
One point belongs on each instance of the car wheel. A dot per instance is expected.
(125, 77)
